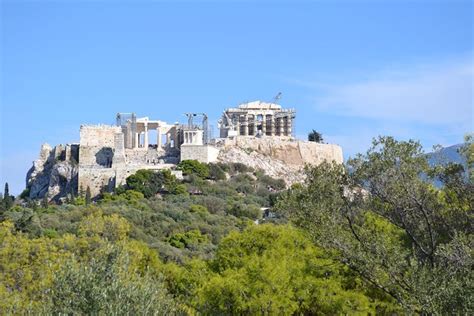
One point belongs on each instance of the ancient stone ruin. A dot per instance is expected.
(256, 133)
(257, 119)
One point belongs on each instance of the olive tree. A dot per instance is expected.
(387, 222)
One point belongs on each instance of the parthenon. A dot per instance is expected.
(257, 119)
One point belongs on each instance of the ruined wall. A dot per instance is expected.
(201, 153)
(97, 144)
(95, 179)
(96, 154)
(292, 152)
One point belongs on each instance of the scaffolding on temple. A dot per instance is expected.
(128, 123)
(204, 126)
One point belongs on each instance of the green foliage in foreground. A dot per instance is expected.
(99, 271)
(386, 221)
(376, 238)
(266, 269)
(270, 270)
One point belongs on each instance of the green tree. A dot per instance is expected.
(147, 182)
(195, 167)
(271, 269)
(102, 286)
(468, 152)
(384, 208)
(45, 201)
(315, 136)
(216, 172)
(100, 271)
(188, 239)
(88, 196)
(7, 198)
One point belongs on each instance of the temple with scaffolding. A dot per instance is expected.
(257, 119)
(109, 154)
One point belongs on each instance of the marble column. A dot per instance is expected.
(145, 136)
(290, 126)
(158, 138)
(278, 126)
(246, 125)
(264, 125)
(137, 139)
(272, 128)
(255, 127)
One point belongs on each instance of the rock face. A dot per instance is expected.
(54, 173)
(279, 158)
(57, 172)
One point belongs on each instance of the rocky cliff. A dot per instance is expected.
(54, 173)
(279, 158)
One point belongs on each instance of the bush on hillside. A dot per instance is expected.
(148, 182)
(195, 167)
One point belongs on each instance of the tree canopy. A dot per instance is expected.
(315, 136)
(389, 224)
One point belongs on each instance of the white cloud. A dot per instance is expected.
(435, 95)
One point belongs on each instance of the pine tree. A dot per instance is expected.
(315, 136)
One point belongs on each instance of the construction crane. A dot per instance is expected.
(276, 98)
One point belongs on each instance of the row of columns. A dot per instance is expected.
(146, 139)
(278, 126)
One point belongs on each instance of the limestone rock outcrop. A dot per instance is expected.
(54, 173)
(58, 173)
(278, 157)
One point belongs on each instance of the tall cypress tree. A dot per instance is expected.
(7, 199)
(88, 196)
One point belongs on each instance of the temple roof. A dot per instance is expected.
(259, 105)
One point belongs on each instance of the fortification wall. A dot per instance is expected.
(96, 153)
(95, 179)
(314, 153)
(291, 152)
(98, 135)
(205, 154)
(97, 144)
(98, 178)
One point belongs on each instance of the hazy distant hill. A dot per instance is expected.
(447, 155)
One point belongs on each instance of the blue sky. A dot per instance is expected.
(352, 69)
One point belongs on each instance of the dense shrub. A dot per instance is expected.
(239, 209)
(216, 172)
(238, 167)
(213, 204)
(195, 208)
(277, 184)
(273, 270)
(148, 182)
(187, 239)
(195, 167)
(99, 271)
